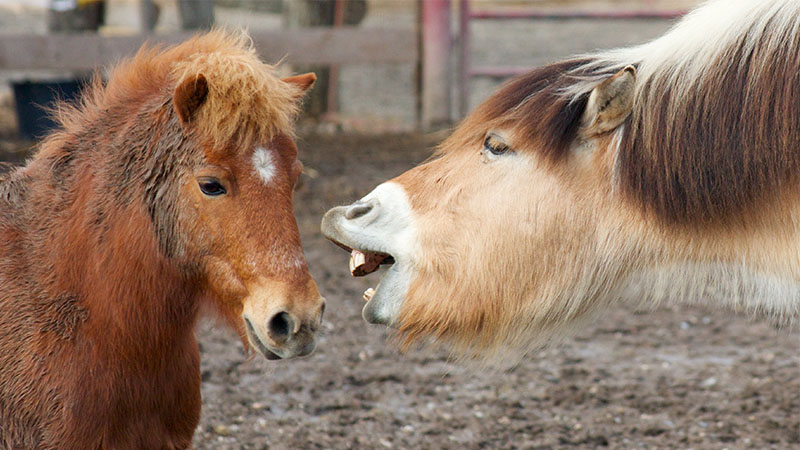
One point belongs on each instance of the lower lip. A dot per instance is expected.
(368, 314)
(270, 356)
(259, 345)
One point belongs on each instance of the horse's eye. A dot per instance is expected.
(212, 188)
(494, 145)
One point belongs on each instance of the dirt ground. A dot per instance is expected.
(678, 377)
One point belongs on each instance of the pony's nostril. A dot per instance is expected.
(357, 210)
(280, 327)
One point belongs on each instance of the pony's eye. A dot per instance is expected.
(495, 145)
(212, 188)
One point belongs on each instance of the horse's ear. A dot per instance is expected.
(304, 81)
(189, 96)
(609, 104)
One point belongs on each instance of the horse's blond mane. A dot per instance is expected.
(713, 130)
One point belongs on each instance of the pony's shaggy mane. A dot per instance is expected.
(246, 103)
(714, 126)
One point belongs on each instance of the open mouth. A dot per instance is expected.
(377, 231)
(365, 262)
(380, 307)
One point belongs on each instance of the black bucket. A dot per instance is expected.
(33, 100)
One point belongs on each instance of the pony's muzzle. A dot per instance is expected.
(284, 332)
(287, 330)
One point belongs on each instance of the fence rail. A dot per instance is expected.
(513, 14)
(87, 51)
(429, 47)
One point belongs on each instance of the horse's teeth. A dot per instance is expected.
(368, 294)
(357, 259)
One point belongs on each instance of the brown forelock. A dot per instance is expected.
(246, 104)
(709, 149)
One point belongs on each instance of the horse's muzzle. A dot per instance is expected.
(380, 228)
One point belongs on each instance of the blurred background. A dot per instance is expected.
(396, 75)
(387, 65)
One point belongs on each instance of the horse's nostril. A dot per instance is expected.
(280, 327)
(357, 210)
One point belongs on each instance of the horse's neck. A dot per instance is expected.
(734, 285)
(753, 268)
(106, 256)
(149, 300)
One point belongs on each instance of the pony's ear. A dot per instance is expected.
(304, 81)
(189, 96)
(609, 103)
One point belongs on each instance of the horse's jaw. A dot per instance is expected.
(385, 303)
(380, 223)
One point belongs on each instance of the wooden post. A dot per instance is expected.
(149, 12)
(436, 44)
(463, 59)
(322, 13)
(196, 14)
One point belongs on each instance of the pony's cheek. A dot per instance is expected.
(223, 280)
(206, 217)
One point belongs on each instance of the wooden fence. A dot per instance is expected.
(87, 51)
(431, 47)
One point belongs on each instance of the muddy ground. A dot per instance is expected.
(678, 377)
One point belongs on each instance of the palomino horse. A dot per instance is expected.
(166, 190)
(667, 171)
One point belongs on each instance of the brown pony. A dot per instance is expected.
(168, 189)
(668, 171)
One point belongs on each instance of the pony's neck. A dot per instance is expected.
(91, 225)
(112, 263)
